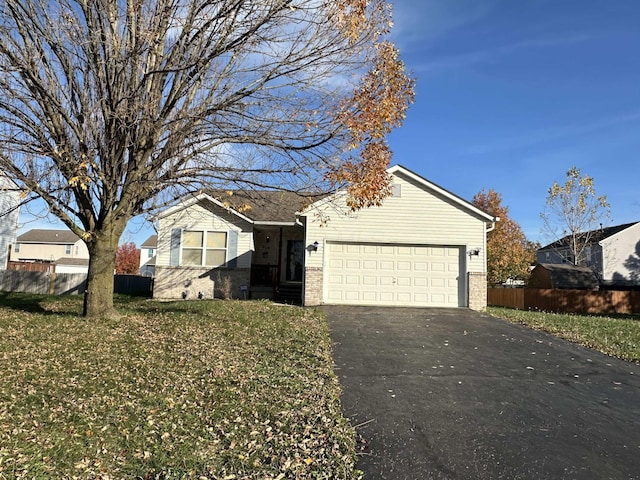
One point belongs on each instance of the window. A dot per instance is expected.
(396, 190)
(150, 253)
(67, 249)
(16, 248)
(204, 248)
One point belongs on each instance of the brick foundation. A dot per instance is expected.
(176, 282)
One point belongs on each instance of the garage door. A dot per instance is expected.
(372, 274)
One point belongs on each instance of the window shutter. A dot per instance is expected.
(232, 249)
(174, 251)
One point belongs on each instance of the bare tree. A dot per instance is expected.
(573, 214)
(115, 108)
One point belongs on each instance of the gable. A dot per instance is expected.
(414, 204)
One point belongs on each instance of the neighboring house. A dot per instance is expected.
(613, 253)
(9, 200)
(423, 247)
(148, 256)
(549, 275)
(61, 247)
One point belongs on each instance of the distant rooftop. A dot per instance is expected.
(595, 236)
(48, 236)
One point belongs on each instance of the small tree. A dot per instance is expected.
(127, 258)
(509, 253)
(572, 215)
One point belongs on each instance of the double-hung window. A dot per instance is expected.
(204, 248)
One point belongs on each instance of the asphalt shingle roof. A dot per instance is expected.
(266, 205)
(48, 236)
(595, 236)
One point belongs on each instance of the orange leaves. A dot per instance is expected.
(509, 254)
(380, 103)
(377, 106)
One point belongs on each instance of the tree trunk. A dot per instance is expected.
(98, 297)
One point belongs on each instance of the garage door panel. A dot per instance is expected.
(393, 274)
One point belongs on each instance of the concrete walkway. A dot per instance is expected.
(455, 394)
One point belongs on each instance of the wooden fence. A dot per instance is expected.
(566, 301)
(69, 283)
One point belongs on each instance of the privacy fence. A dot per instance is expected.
(566, 301)
(69, 283)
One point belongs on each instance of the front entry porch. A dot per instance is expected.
(277, 268)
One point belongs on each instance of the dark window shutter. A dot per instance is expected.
(174, 251)
(232, 249)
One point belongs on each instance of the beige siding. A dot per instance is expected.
(200, 216)
(48, 252)
(416, 217)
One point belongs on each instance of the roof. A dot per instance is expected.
(595, 236)
(266, 206)
(253, 206)
(48, 236)
(151, 242)
(282, 207)
(565, 275)
(73, 261)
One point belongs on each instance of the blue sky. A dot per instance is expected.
(511, 94)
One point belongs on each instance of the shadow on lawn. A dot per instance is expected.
(41, 304)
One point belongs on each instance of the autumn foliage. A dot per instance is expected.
(509, 253)
(127, 258)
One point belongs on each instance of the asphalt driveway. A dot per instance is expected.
(456, 394)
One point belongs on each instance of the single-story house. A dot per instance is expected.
(613, 253)
(9, 201)
(563, 276)
(148, 256)
(424, 246)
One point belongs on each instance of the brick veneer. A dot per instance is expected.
(477, 291)
(312, 286)
(174, 281)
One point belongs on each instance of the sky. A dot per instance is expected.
(511, 94)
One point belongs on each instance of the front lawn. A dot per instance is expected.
(189, 389)
(618, 336)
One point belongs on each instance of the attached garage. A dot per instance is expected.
(394, 274)
(423, 246)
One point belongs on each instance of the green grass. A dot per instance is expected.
(617, 336)
(203, 390)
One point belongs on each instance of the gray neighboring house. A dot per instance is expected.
(9, 200)
(613, 253)
(424, 246)
(148, 256)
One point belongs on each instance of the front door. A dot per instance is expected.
(295, 259)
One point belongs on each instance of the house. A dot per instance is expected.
(60, 247)
(563, 276)
(148, 256)
(9, 201)
(613, 253)
(424, 246)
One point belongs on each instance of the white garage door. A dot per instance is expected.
(371, 274)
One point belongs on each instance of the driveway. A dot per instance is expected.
(456, 394)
